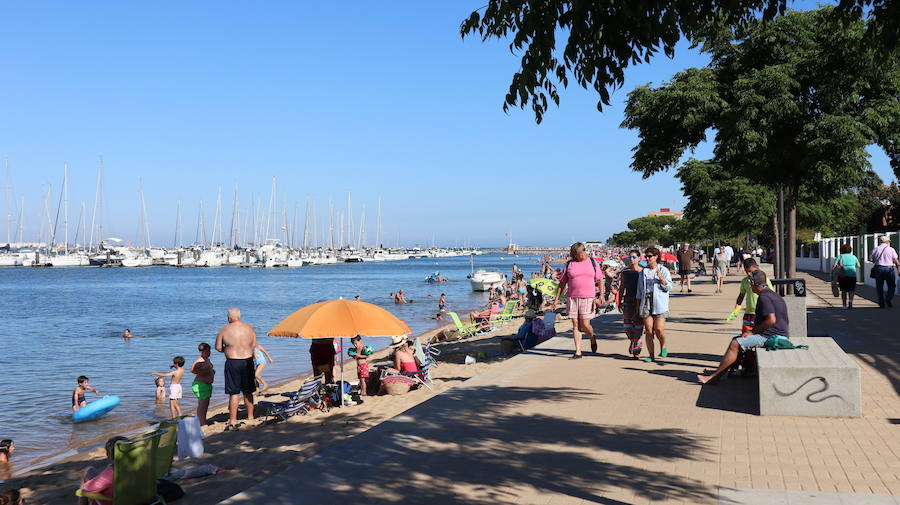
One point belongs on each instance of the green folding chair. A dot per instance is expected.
(135, 470)
(509, 311)
(465, 330)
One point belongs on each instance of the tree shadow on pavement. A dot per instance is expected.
(479, 445)
(731, 394)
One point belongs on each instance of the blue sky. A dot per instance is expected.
(383, 99)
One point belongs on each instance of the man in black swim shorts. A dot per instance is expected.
(238, 341)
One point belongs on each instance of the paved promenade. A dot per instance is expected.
(607, 429)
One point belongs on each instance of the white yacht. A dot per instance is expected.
(70, 260)
(10, 260)
(485, 280)
(137, 261)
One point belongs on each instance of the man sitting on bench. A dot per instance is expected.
(771, 320)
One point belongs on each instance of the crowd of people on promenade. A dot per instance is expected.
(639, 284)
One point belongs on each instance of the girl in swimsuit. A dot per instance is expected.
(261, 357)
(84, 386)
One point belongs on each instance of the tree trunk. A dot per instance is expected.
(776, 229)
(790, 260)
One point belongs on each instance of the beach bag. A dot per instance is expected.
(778, 342)
(876, 268)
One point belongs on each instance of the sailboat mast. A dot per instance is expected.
(349, 221)
(98, 199)
(379, 238)
(146, 220)
(234, 239)
(66, 204)
(177, 242)
(362, 228)
(330, 225)
(21, 222)
(9, 218)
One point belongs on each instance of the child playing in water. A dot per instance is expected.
(175, 386)
(7, 447)
(84, 386)
(160, 390)
(362, 366)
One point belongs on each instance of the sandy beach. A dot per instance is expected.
(260, 450)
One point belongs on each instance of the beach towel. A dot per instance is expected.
(190, 438)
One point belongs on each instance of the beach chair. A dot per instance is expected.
(549, 326)
(135, 470)
(299, 402)
(426, 357)
(509, 312)
(465, 330)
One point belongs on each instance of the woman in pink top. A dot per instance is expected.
(580, 277)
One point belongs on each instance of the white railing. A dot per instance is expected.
(821, 256)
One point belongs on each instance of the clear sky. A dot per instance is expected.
(381, 99)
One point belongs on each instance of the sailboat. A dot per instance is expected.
(67, 259)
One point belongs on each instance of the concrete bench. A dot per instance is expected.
(821, 381)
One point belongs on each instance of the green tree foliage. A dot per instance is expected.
(721, 204)
(594, 41)
(792, 102)
(647, 231)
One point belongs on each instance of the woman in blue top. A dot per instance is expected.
(846, 267)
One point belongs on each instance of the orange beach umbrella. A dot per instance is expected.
(340, 318)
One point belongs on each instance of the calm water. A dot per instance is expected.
(65, 322)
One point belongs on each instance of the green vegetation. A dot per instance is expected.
(593, 42)
(793, 103)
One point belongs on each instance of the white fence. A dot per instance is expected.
(820, 257)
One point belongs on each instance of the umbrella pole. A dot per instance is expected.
(341, 387)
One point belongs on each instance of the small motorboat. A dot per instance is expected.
(485, 280)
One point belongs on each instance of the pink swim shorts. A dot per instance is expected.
(582, 308)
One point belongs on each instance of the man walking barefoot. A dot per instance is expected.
(238, 341)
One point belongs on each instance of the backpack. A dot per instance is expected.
(778, 342)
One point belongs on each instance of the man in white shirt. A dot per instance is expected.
(729, 254)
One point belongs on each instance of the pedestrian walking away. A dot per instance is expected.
(654, 284)
(846, 267)
(238, 340)
(720, 264)
(885, 262)
(579, 280)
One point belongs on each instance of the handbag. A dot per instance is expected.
(647, 302)
(876, 268)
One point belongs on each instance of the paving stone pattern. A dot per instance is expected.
(608, 429)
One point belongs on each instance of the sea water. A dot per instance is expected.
(59, 323)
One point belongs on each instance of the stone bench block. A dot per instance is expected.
(821, 381)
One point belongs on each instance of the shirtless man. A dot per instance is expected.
(238, 341)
